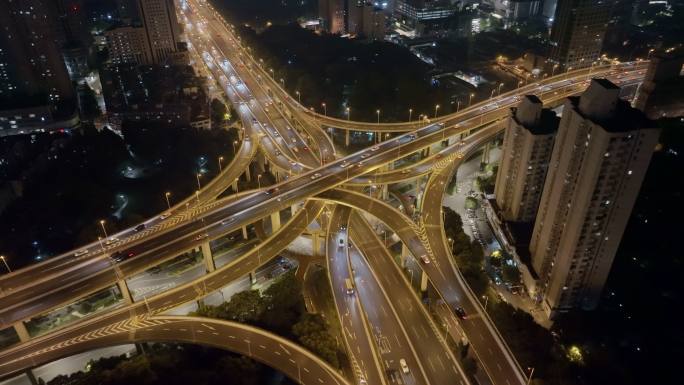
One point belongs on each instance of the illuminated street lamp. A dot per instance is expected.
(104, 230)
(458, 105)
(220, 159)
(410, 114)
(259, 181)
(234, 144)
(436, 108)
(325, 109)
(378, 113)
(470, 101)
(5, 262)
(168, 203)
(500, 86)
(197, 196)
(199, 185)
(553, 70)
(299, 97)
(348, 113)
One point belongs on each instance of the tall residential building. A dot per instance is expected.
(161, 27)
(334, 15)
(579, 27)
(128, 45)
(528, 142)
(660, 94)
(30, 61)
(599, 160)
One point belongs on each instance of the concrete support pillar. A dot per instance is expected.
(123, 288)
(404, 254)
(485, 153)
(275, 221)
(248, 174)
(235, 185)
(21, 331)
(208, 257)
(385, 192)
(427, 152)
(347, 134)
(423, 281)
(261, 162)
(316, 243)
(31, 377)
(293, 210)
(244, 232)
(252, 277)
(277, 176)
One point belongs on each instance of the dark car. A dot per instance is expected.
(140, 227)
(121, 256)
(460, 312)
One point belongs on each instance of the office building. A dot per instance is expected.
(515, 10)
(599, 160)
(578, 31)
(417, 18)
(162, 31)
(549, 9)
(128, 45)
(528, 142)
(660, 94)
(31, 64)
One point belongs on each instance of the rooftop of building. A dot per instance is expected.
(548, 121)
(603, 96)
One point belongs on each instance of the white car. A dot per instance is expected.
(111, 240)
(364, 156)
(404, 367)
(425, 259)
(344, 165)
(314, 176)
(81, 252)
(164, 215)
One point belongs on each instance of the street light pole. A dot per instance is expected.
(259, 181)
(348, 113)
(529, 378)
(299, 97)
(436, 108)
(410, 114)
(102, 223)
(5, 262)
(458, 105)
(220, 159)
(378, 113)
(199, 186)
(325, 109)
(166, 195)
(470, 101)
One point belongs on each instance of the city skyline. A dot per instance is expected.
(347, 192)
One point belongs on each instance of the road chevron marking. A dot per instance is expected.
(126, 326)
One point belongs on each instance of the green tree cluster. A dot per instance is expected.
(281, 310)
(174, 365)
(468, 255)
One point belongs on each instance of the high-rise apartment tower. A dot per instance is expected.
(600, 156)
(528, 142)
